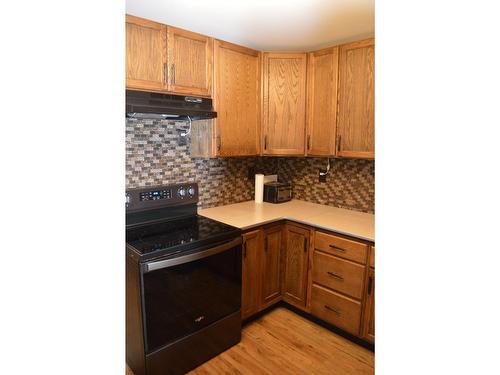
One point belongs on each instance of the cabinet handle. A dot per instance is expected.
(244, 249)
(335, 275)
(265, 244)
(265, 142)
(219, 143)
(165, 73)
(172, 69)
(337, 248)
(338, 143)
(309, 142)
(370, 285)
(305, 244)
(332, 310)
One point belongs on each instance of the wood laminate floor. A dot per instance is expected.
(282, 342)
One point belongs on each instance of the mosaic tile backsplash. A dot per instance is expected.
(154, 156)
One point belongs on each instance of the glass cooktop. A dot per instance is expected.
(179, 235)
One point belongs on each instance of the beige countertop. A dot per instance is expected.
(249, 214)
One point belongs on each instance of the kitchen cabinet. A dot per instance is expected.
(250, 296)
(296, 265)
(322, 80)
(355, 118)
(271, 266)
(167, 59)
(284, 85)
(236, 99)
(190, 57)
(146, 54)
(368, 331)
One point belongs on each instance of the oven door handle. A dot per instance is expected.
(153, 266)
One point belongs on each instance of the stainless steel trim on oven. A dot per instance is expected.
(152, 266)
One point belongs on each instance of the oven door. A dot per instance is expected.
(185, 294)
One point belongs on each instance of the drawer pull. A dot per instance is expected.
(337, 248)
(337, 276)
(332, 310)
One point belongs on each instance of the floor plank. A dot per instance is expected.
(282, 342)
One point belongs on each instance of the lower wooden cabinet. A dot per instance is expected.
(328, 275)
(368, 331)
(250, 291)
(271, 266)
(296, 265)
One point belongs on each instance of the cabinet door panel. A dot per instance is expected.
(237, 94)
(322, 101)
(284, 103)
(271, 266)
(355, 123)
(146, 54)
(296, 265)
(250, 288)
(369, 314)
(190, 62)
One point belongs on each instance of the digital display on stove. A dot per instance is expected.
(155, 194)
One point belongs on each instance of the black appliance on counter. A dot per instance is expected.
(277, 192)
(183, 282)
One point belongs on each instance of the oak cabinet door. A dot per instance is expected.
(322, 70)
(284, 84)
(190, 62)
(296, 265)
(271, 266)
(237, 99)
(250, 288)
(146, 54)
(355, 122)
(369, 313)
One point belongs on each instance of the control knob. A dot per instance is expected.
(181, 192)
(191, 192)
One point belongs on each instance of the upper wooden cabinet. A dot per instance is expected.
(165, 58)
(322, 77)
(296, 265)
(190, 62)
(355, 122)
(236, 99)
(146, 54)
(284, 85)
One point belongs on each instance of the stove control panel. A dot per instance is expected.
(152, 197)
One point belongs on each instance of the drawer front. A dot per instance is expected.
(372, 257)
(335, 309)
(338, 274)
(341, 247)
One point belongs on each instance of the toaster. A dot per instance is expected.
(277, 192)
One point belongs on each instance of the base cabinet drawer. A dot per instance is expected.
(338, 274)
(341, 247)
(336, 309)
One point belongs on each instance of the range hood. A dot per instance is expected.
(151, 105)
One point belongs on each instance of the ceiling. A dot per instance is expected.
(266, 24)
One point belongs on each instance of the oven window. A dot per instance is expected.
(180, 300)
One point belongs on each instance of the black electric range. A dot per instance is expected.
(183, 281)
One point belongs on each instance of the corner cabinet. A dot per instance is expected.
(236, 99)
(271, 266)
(283, 98)
(167, 59)
(322, 80)
(250, 296)
(296, 265)
(146, 54)
(355, 121)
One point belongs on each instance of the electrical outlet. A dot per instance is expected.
(321, 175)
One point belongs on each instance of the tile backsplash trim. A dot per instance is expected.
(155, 157)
